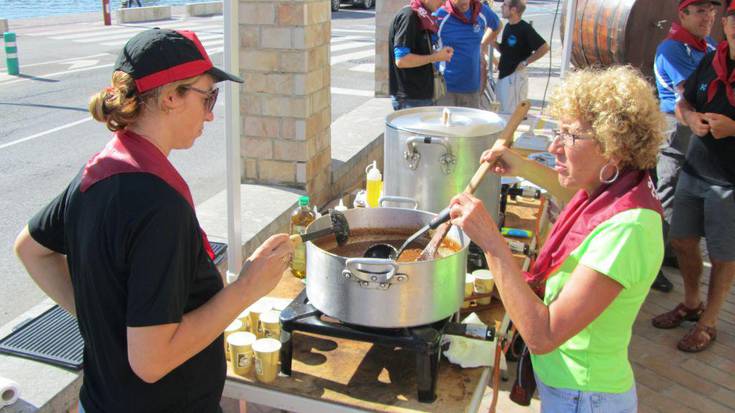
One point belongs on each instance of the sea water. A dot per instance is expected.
(23, 9)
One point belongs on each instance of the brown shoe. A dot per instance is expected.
(697, 339)
(675, 317)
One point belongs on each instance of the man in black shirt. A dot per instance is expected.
(703, 201)
(520, 47)
(410, 55)
(121, 247)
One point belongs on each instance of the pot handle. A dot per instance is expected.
(398, 199)
(412, 155)
(377, 272)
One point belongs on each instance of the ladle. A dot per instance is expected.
(383, 250)
(340, 228)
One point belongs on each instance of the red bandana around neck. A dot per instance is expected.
(680, 34)
(633, 189)
(428, 22)
(128, 152)
(719, 62)
(475, 5)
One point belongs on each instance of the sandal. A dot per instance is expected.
(697, 339)
(675, 317)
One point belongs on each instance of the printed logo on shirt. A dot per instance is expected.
(476, 27)
(512, 40)
(702, 87)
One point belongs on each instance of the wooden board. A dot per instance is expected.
(367, 376)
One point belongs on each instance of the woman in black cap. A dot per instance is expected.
(122, 249)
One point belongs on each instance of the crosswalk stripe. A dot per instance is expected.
(73, 29)
(351, 56)
(353, 31)
(364, 67)
(198, 30)
(347, 38)
(350, 45)
(352, 92)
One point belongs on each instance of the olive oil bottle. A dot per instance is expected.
(301, 217)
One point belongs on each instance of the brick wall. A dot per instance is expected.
(285, 101)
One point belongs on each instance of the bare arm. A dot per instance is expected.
(538, 54)
(687, 115)
(415, 60)
(509, 162)
(48, 269)
(156, 350)
(543, 327)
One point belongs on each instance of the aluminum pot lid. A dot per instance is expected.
(446, 121)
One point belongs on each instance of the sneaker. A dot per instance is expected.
(661, 283)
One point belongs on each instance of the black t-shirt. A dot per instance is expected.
(415, 82)
(708, 158)
(136, 259)
(519, 42)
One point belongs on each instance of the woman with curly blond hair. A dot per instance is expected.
(598, 263)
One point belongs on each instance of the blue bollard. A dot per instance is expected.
(11, 53)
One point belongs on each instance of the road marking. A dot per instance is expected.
(351, 56)
(352, 92)
(353, 31)
(348, 38)
(101, 33)
(55, 74)
(78, 64)
(351, 45)
(44, 133)
(67, 60)
(364, 67)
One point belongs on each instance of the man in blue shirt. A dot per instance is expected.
(467, 26)
(676, 58)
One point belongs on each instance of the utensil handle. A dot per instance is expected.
(506, 139)
(296, 239)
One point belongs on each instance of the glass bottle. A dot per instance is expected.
(301, 217)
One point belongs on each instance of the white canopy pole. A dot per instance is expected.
(570, 19)
(232, 134)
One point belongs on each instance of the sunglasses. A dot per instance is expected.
(210, 99)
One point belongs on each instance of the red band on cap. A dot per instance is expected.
(685, 3)
(178, 72)
(172, 74)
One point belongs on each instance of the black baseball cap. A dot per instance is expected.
(156, 57)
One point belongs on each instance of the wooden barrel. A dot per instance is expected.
(612, 32)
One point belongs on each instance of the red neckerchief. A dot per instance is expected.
(428, 22)
(128, 152)
(719, 62)
(475, 5)
(633, 189)
(680, 34)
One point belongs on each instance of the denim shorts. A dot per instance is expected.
(399, 104)
(557, 400)
(702, 209)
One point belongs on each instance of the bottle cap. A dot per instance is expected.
(303, 200)
(341, 206)
(373, 173)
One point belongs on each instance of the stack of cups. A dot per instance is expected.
(260, 307)
(234, 327)
(270, 324)
(469, 285)
(244, 317)
(484, 284)
(241, 352)
(267, 351)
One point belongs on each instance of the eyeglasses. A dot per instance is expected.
(211, 96)
(568, 139)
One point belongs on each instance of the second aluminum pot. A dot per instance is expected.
(431, 153)
(384, 293)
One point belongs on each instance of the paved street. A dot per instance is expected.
(47, 134)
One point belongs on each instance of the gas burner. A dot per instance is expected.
(423, 340)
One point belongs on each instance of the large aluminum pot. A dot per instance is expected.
(430, 154)
(381, 292)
